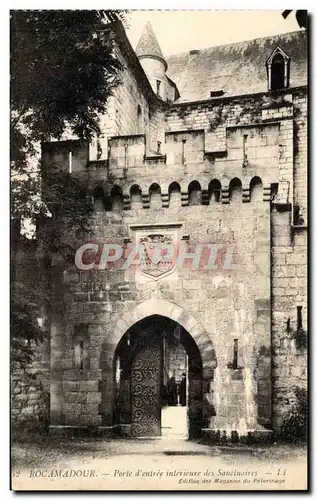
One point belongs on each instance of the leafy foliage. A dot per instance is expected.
(63, 71)
(25, 331)
(70, 207)
(301, 17)
(300, 337)
(294, 427)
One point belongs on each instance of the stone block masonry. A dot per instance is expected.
(230, 172)
(231, 305)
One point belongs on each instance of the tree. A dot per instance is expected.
(301, 17)
(63, 71)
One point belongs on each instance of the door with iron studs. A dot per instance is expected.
(146, 386)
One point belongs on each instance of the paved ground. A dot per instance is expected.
(174, 421)
(161, 464)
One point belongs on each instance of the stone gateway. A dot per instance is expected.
(204, 150)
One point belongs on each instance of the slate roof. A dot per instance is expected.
(237, 68)
(148, 44)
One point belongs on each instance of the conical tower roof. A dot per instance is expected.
(148, 45)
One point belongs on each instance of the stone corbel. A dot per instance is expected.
(126, 202)
(184, 199)
(165, 200)
(267, 192)
(225, 195)
(146, 200)
(246, 194)
(205, 197)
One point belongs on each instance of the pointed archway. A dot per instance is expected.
(196, 342)
(179, 315)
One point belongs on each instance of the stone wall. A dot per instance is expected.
(220, 165)
(30, 400)
(128, 113)
(289, 279)
(229, 304)
(300, 150)
(30, 397)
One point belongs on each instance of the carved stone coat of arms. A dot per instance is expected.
(157, 257)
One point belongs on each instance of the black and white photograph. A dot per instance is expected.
(158, 250)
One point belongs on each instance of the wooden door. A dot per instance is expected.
(146, 386)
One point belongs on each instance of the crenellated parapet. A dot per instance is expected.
(154, 195)
(245, 138)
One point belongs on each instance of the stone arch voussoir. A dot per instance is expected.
(172, 311)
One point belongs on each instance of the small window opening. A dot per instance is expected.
(299, 317)
(81, 345)
(278, 72)
(158, 87)
(183, 151)
(139, 120)
(70, 162)
(245, 150)
(235, 354)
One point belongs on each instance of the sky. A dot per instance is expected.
(180, 31)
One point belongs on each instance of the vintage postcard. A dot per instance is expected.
(159, 250)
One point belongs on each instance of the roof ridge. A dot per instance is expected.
(241, 42)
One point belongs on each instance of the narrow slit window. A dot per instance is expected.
(235, 354)
(277, 78)
(70, 162)
(245, 150)
(77, 355)
(299, 317)
(81, 345)
(140, 120)
(158, 87)
(183, 150)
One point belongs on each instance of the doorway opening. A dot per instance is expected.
(158, 380)
(174, 386)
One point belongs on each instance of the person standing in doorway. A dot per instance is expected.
(172, 392)
(182, 390)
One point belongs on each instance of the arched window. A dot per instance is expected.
(99, 199)
(117, 198)
(194, 193)
(136, 197)
(278, 65)
(155, 196)
(277, 76)
(174, 192)
(80, 347)
(256, 189)
(235, 190)
(214, 190)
